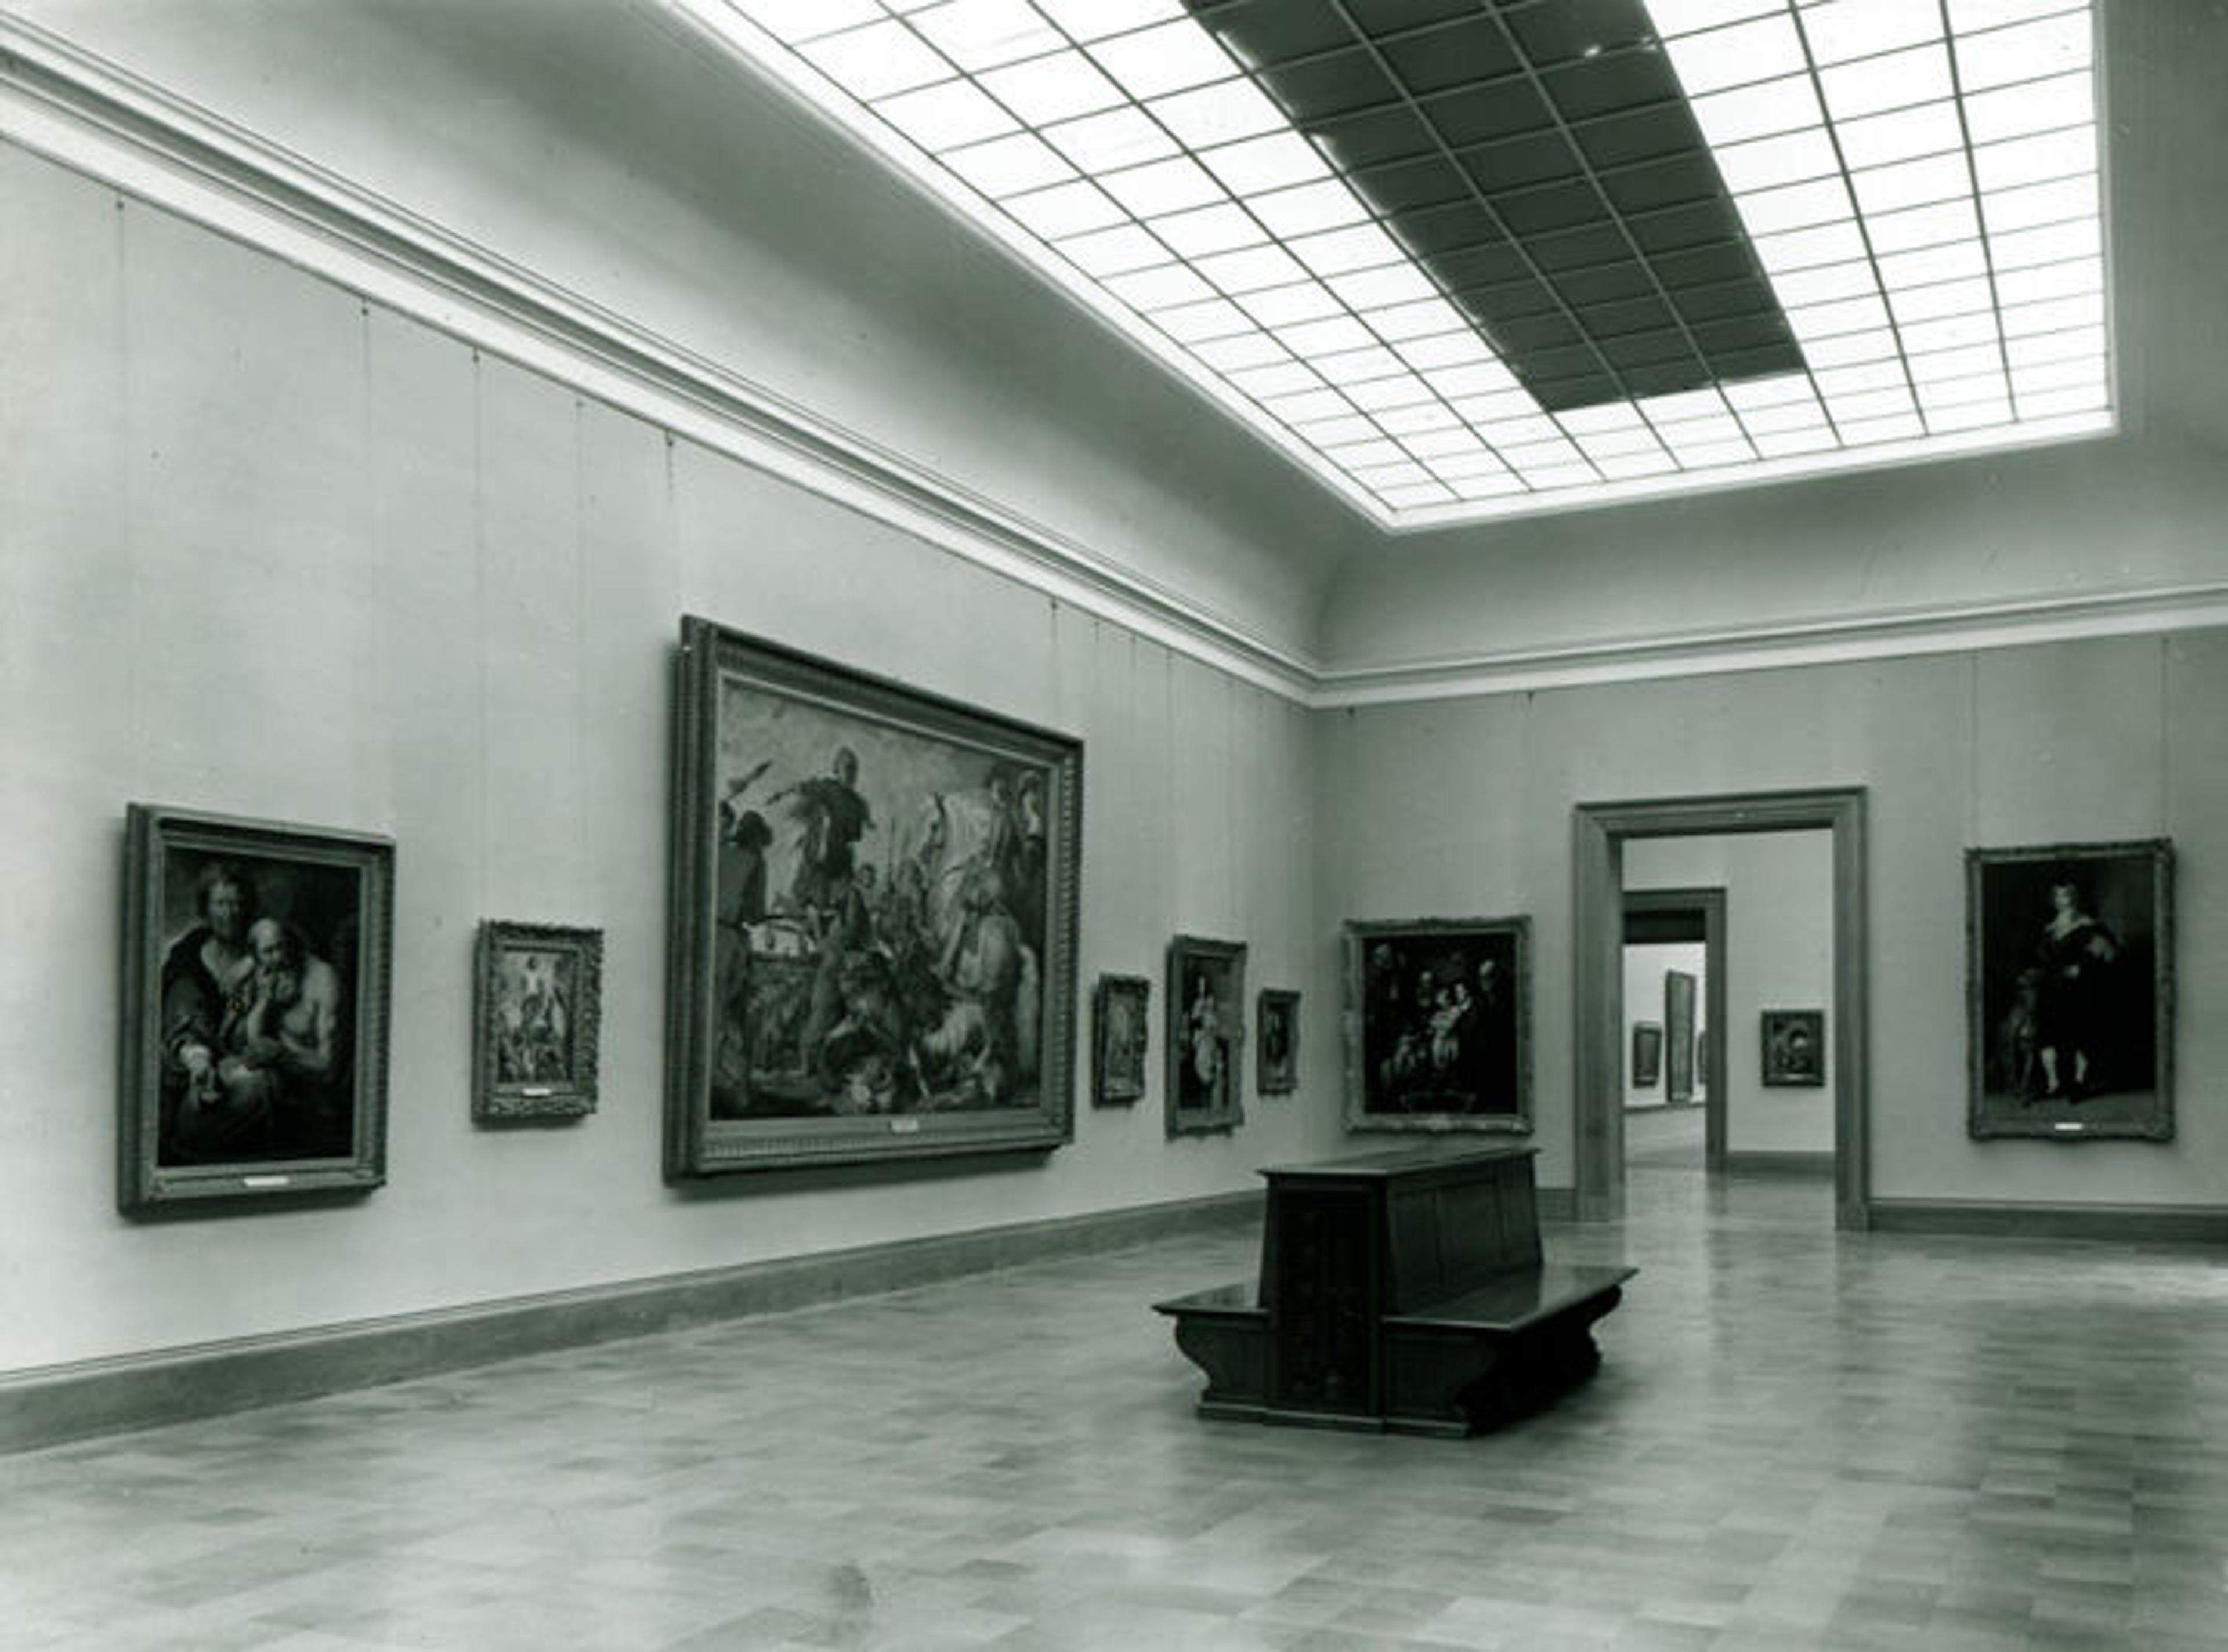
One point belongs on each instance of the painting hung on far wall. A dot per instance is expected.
(1277, 1060)
(255, 1009)
(1120, 1011)
(2070, 991)
(1206, 1035)
(1679, 989)
(1439, 1020)
(1794, 1047)
(537, 1016)
(873, 918)
(1647, 1055)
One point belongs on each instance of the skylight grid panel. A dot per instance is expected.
(1302, 405)
(1308, 207)
(1334, 433)
(1825, 284)
(1504, 433)
(1876, 84)
(1837, 34)
(1490, 486)
(1483, 410)
(2057, 346)
(946, 115)
(1410, 498)
(1902, 135)
(1870, 375)
(1164, 288)
(1112, 139)
(1382, 395)
(1216, 318)
(1699, 432)
(1065, 209)
(1804, 249)
(2060, 201)
(2038, 282)
(1437, 446)
(1477, 380)
(979, 35)
(1950, 332)
(1045, 90)
(1330, 335)
(1784, 444)
(1773, 109)
(1630, 467)
(1609, 418)
(1865, 433)
(1262, 165)
(1738, 55)
(1545, 478)
(1675, 17)
(1406, 472)
(1958, 393)
(1914, 305)
(1089, 20)
(1683, 405)
(1221, 113)
(1756, 394)
(798, 21)
(1930, 366)
(1874, 344)
(2049, 403)
(1112, 252)
(1798, 205)
(1246, 349)
(1250, 271)
(1340, 252)
(2035, 107)
(1009, 165)
(1353, 368)
(1473, 466)
(1286, 378)
(1161, 187)
(1709, 455)
(1971, 16)
(1968, 415)
(2035, 51)
(1373, 288)
(1204, 231)
(2039, 159)
(1804, 415)
(2050, 244)
(1766, 162)
(1948, 261)
(1354, 457)
(877, 61)
(1426, 317)
(1448, 350)
(1846, 315)
(1918, 227)
(1421, 422)
(2055, 315)
(1279, 307)
(1610, 445)
(1912, 183)
(1172, 57)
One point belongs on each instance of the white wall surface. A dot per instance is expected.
(1779, 955)
(1645, 964)
(271, 553)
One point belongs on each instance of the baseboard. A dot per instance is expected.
(47, 1406)
(1773, 1162)
(2122, 1224)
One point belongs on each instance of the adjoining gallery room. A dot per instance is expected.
(1329, 824)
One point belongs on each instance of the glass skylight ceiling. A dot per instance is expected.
(1466, 260)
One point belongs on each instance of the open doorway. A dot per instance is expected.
(1673, 992)
(1601, 832)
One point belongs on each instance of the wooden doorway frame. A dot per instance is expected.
(1710, 903)
(1598, 834)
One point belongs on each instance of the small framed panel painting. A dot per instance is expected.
(1205, 1034)
(1277, 1060)
(1647, 1055)
(2070, 991)
(873, 918)
(1123, 1033)
(536, 1018)
(1439, 1024)
(255, 1009)
(1794, 1052)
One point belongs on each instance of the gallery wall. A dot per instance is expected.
(273, 552)
(1779, 955)
(1465, 807)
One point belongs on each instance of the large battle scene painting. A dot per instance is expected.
(2070, 990)
(256, 1003)
(885, 941)
(1439, 1020)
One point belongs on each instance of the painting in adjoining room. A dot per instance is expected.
(1277, 1060)
(1206, 1035)
(2070, 991)
(874, 919)
(1678, 989)
(1440, 1024)
(255, 1009)
(1647, 1055)
(1121, 1016)
(1794, 1051)
(537, 1010)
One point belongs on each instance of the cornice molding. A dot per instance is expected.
(97, 119)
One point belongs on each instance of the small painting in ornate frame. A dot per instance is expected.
(874, 923)
(2069, 991)
(1647, 1055)
(1205, 1034)
(1794, 1047)
(1278, 1058)
(1122, 1033)
(255, 1009)
(1439, 1024)
(536, 1018)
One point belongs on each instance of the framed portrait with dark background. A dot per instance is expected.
(1439, 1014)
(537, 1017)
(1206, 1036)
(2070, 991)
(255, 1009)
